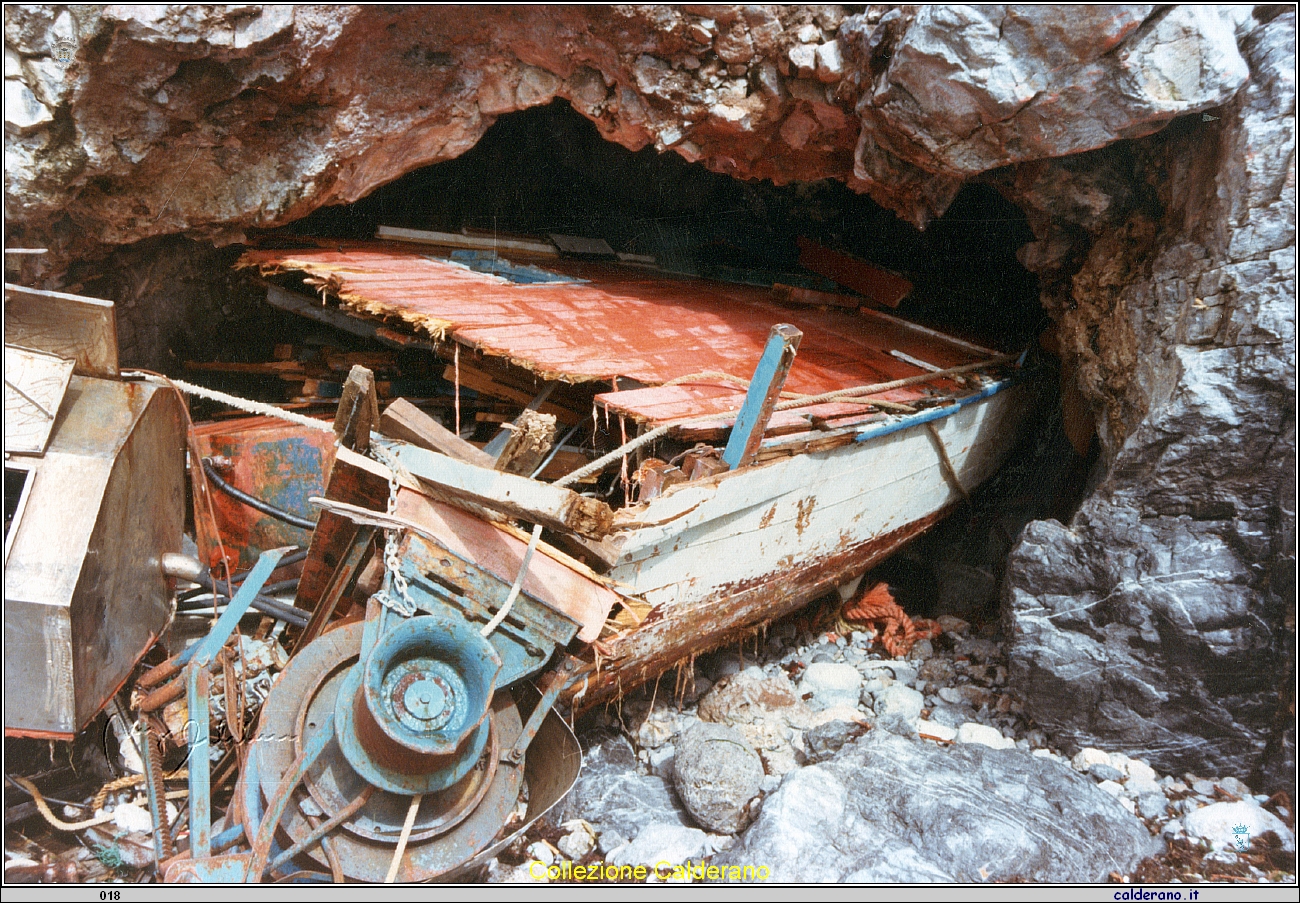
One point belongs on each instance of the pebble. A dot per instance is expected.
(1112, 788)
(541, 852)
(1152, 805)
(831, 684)
(970, 732)
(1088, 757)
(1104, 771)
(1235, 787)
(898, 703)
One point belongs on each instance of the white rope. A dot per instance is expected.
(242, 404)
(518, 585)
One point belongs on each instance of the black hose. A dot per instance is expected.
(270, 589)
(254, 502)
(265, 604)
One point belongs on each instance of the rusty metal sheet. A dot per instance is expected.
(616, 324)
(71, 326)
(35, 383)
(278, 462)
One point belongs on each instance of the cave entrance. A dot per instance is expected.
(547, 172)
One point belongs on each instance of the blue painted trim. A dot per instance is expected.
(747, 419)
(875, 430)
(884, 429)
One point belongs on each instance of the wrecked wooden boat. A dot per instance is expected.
(409, 697)
(869, 431)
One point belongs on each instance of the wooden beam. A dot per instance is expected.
(537, 503)
(764, 391)
(358, 410)
(880, 286)
(403, 420)
(472, 242)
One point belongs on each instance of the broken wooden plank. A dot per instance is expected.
(314, 309)
(502, 438)
(764, 390)
(403, 420)
(879, 286)
(793, 294)
(485, 384)
(472, 242)
(358, 410)
(528, 440)
(75, 327)
(538, 503)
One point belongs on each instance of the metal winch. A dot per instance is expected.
(396, 748)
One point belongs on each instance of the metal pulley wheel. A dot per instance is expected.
(433, 731)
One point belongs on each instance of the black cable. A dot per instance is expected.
(254, 502)
(266, 605)
(271, 588)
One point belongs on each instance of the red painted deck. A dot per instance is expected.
(645, 326)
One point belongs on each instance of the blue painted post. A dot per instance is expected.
(764, 390)
(205, 651)
(196, 685)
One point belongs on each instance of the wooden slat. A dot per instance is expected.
(538, 503)
(403, 420)
(880, 286)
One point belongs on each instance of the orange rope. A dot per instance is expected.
(877, 609)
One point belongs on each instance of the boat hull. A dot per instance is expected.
(731, 553)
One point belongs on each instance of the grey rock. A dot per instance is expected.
(747, 699)
(980, 815)
(1103, 771)
(660, 842)
(609, 841)
(661, 760)
(830, 685)
(1235, 787)
(1179, 570)
(952, 715)
(824, 740)
(898, 708)
(613, 797)
(1152, 805)
(717, 774)
(1203, 788)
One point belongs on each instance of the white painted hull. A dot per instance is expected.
(745, 527)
